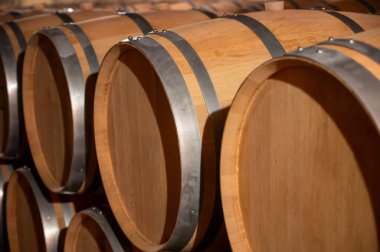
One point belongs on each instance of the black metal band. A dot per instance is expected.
(19, 35)
(212, 103)
(186, 120)
(207, 13)
(86, 45)
(355, 27)
(266, 36)
(204, 81)
(47, 216)
(352, 74)
(364, 48)
(140, 21)
(199, 69)
(105, 220)
(294, 4)
(76, 86)
(64, 17)
(9, 62)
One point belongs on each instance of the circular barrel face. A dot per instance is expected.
(89, 236)
(305, 168)
(300, 157)
(143, 136)
(49, 114)
(95, 230)
(24, 224)
(139, 118)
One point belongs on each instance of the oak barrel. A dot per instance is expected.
(96, 230)
(5, 173)
(159, 112)
(58, 91)
(35, 217)
(13, 38)
(299, 161)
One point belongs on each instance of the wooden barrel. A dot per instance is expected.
(362, 6)
(58, 91)
(13, 37)
(5, 173)
(96, 230)
(299, 163)
(35, 218)
(159, 112)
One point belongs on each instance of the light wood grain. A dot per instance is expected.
(299, 160)
(229, 51)
(24, 224)
(27, 26)
(51, 140)
(36, 218)
(87, 237)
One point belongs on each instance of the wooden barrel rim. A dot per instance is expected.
(184, 114)
(49, 223)
(103, 221)
(3, 181)
(350, 80)
(9, 63)
(316, 56)
(77, 173)
(77, 162)
(107, 174)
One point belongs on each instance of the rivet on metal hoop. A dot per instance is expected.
(351, 41)
(300, 49)
(331, 39)
(319, 51)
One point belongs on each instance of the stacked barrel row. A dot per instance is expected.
(148, 131)
(36, 217)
